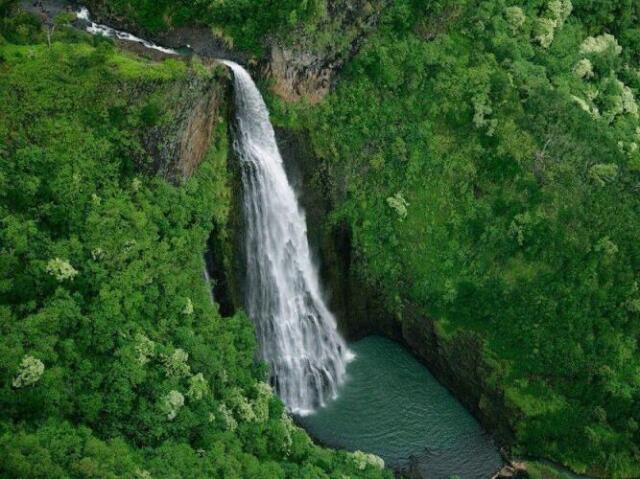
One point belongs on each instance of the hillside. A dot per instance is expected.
(471, 173)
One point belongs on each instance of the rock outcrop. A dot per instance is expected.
(304, 69)
(307, 69)
(179, 143)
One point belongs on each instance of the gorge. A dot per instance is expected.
(390, 404)
(421, 430)
(417, 222)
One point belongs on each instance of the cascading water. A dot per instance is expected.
(104, 30)
(296, 331)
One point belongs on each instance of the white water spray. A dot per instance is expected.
(296, 332)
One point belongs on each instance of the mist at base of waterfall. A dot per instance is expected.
(392, 406)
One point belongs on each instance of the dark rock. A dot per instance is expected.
(359, 310)
(194, 40)
(307, 69)
(46, 8)
(178, 145)
(304, 69)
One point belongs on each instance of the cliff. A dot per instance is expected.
(306, 69)
(300, 64)
(458, 361)
(179, 142)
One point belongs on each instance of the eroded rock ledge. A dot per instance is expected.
(304, 69)
(179, 145)
(307, 69)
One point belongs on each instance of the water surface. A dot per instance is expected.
(392, 406)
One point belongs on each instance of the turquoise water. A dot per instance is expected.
(392, 406)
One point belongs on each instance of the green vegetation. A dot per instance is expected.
(244, 24)
(115, 363)
(539, 470)
(484, 153)
(486, 157)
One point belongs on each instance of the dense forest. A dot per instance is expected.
(490, 176)
(484, 154)
(115, 362)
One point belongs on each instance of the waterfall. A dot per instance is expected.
(207, 280)
(297, 333)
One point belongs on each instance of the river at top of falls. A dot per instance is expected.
(297, 333)
(106, 31)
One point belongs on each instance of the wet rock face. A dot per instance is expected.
(357, 307)
(177, 146)
(306, 68)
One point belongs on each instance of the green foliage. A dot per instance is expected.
(115, 361)
(399, 205)
(485, 154)
(243, 24)
(61, 269)
(518, 156)
(30, 372)
(362, 460)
